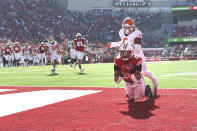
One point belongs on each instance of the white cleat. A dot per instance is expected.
(53, 71)
(81, 70)
(74, 65)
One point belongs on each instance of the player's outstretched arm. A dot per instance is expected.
(114, 44)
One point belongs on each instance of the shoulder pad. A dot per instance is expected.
(118, 57)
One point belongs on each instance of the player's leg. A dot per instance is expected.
(80, 58)
(76, 58)
(7, 60)
(146, 73)
(40, 59)
(72, 57)
(130, 91)
(140, 89)
(26, 59)
(54, 58)
(43, 60)
(17, 57)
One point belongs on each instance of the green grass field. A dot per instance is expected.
(170, 74)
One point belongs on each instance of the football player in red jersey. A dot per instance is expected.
(79, 44)
(17, 53)
(129, 33)
(42, 55)
(7, 53)
(128, 67)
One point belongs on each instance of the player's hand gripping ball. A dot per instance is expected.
(126, 68)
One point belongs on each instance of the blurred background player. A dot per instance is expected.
(72, 52)
(27, 52)
(79, 44)
(35, 59)
(42, 55)
(51, 47)
(129, 33)
(128, 67)
(17, 53)
(7, 54)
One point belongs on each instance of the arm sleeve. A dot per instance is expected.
(139, 68)
(115, 44)
(116, 68)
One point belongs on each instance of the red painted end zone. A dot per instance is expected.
(107, 111)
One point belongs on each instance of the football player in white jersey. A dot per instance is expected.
(27, 52)
(71, 50)
(129, 33)
(51, 46)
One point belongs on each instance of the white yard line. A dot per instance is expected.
(181, 74)
(18, 102)
(4, 90)
(53, 77)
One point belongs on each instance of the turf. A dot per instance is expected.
(170, 74)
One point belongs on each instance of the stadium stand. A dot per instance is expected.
(33, 21)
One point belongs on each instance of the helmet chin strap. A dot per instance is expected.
(127, 32)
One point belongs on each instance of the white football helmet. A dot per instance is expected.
(128, 25)
(78, 36)
(126, 51)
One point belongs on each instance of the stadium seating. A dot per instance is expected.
(184, 31)
(26, 21)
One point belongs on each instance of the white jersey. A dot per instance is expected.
(71, 48)
(52, 47)
(26, 50)
(130, 38)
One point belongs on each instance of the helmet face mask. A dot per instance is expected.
(128, 25)
(126, 51)
(128, 29)
(51, 38)
(78, 36)
(125, 54)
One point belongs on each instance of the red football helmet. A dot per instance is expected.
(126, 51)
(78, 36)
(128, 25)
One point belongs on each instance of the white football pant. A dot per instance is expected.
(136, 90)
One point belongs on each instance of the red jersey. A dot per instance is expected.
(136, 61)
(7, 50)
(41, 49)
(17, 48)
(79, 44)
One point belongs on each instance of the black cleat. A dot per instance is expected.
(129, 99)
(155, 93)
(148, 92)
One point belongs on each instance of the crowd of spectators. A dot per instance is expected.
(181, 50)
(184, 31)
(34, 20)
